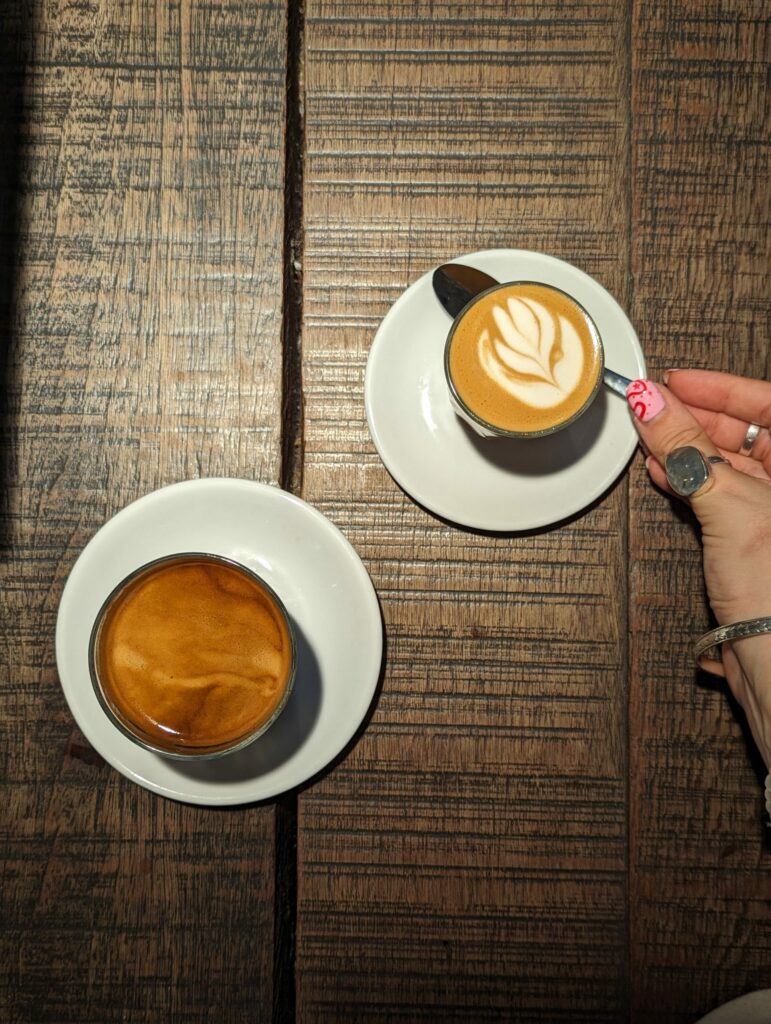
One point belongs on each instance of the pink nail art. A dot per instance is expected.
(645, 399)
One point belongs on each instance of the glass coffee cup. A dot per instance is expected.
(193, 656)
(523, 359)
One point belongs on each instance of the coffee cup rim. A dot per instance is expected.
(192, 753)
(492, 428)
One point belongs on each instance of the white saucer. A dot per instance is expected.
(328, 595)
(494, 484)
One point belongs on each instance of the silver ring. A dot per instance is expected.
(749, 438)
(688, 470)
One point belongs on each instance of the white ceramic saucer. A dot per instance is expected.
(494, 484)
(328, 595)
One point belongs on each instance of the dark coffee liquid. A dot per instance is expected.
(194, 654)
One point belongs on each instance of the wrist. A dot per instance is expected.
(731, 633)
(754, 656)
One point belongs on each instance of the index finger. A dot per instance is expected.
(741, 397)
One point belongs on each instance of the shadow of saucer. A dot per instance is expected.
(542, 456)
(282, 740)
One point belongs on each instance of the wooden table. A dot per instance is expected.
(208, 207)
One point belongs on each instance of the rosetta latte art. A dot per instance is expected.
(536, 355)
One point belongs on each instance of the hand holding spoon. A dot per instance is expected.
(455, 284)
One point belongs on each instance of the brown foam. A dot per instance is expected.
(488, 400)
(194, 654)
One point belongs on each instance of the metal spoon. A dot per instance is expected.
(455, 284)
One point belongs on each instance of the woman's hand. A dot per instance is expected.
(712, 412)
(725, 406)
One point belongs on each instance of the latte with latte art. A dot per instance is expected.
(524, 358)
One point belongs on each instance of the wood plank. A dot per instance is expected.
(700, 872)
(146, 349)
(468, 860)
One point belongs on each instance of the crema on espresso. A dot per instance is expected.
(194, 654)
(524, 358)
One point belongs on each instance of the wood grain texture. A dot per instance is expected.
(468, 860)
(146, 349)
(700, 870)
(541, 823)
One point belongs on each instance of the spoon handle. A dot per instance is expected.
(616, 382)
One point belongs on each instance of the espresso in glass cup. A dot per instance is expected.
(523, 359)
(193, 656)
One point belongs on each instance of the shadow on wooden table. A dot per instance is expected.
(14, 40)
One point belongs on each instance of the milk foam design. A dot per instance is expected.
(537, 356)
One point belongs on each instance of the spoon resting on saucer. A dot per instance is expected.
(455, 284)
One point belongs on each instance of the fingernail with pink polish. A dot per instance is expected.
(645, 399)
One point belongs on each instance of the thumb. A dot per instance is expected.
(666, 425)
